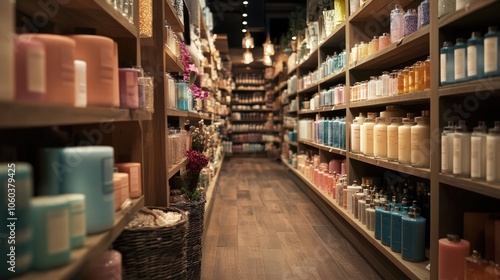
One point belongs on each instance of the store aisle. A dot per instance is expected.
(264, 227)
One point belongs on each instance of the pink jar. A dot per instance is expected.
(30, 69)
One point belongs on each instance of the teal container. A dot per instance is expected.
(386, 225)
(475, 56)
(378, 222)
(17, 230)
(78, 229)
(413, 236)
(447, 64)
(396, 217)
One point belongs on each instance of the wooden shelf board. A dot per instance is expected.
(97, 14)
(17, 115)
(323, 147)
(176, 167)
(409, 98)
(477, 86)
(211, 192)
(94, 246)
(336, 39)
(250, 103)
(261, 120)
(333, 77)
(320, 110)
(293, 143)
(309, 89)
(480, 187)
(469, 11)
(255, 110)
(407, 169)
(311, 60)
(381, 9)
(172, 18)
(200, 116)
(410, 47)
(411, 269)
(171, 112)
(172, 63)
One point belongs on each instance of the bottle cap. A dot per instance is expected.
(462, 127)
(454, 238)
(460, 40)
(380, 119)
(476, 34)
(495, 129)
(408, 121)
(481, 127)
(397, 208)
(387, 207)
(414, 213)
(447, 44)
(450, 128)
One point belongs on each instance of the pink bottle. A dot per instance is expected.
(30, 70)
(59, 68)
(452, 254)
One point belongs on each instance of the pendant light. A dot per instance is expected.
(267, 60)
(247, 42)
(268, 47)
(247, 57)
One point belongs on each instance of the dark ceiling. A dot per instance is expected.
(263, 17)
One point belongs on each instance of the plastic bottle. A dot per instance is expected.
(491, 47)
(447, 64)
(475, 56)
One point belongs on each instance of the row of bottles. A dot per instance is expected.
(227, 147)
(249, 98)
(291, 135)
(249, 107)
(403, 24)
(331, 97)
(475, 155)
(329, 132)
(248, 127)
(333, 64)
(413, 78)
(473, 59)
(256, 79)
(237, 116)
(322, 174)
(248, 137)
(246, 147)
(290, 122)
(448, 6)
(362, 49)
(391, 137)
(172, 42)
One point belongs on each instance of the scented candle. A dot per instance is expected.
(452, 254)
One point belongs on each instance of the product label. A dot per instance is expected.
(78, 222)
(475, 157)
(107, 55)
(134, 179)
(490, 159)
(457, 155)
(445, 166)
(355, 139)
(57, 231)
(443, 67)
(35, 66)
(471, 61)
(369, 140)
(460, 63)
(491, 54)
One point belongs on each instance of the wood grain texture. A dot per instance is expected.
(264, 227)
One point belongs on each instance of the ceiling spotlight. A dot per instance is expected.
(245, 15)
(245, 2)
(243, 30)
(244, 22)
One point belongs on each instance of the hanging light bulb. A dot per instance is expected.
(267, 60)
(268, 47)
(247, 42)
(247, 57)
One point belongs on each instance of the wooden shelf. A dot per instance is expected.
(311, 61)
(324, 109)
(309, 89)
(408, 98)
(16, 115)
(258, 120)
(410, 47)
(367, 12)
(323, 147)
(468, 15)
(250, 131)
(407, 169)
(96, 14)
(478, 86)
(176, 167)
(172, 63)
(250, 103)
(336, 39)
(172, 18)
(200, 116)
(291, 112)
(411, 269)
(333, 77)
(94, 246)
(254, 110)
(211, 193)
(171, 112)
(480, 187)
(249, 152)
(293, 143)
(249, 142)
(247, 90)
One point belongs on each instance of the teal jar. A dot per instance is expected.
(447, 64)
(475, 56)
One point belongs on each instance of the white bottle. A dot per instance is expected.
(355, 136)
(380, 138)
(368, 126)
(493, 154)
(392, 111)
(420, 141)
(404, 141)
(461, 151)
(478, 152)
(392, 138)
(447, 148)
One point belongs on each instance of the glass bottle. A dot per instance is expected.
(447, 148)
(419, 76)
(478, 152)
(447, 64)
(380, 85)
(393, 88)
(386, 225)
(420, 141)
(411, 79)
(427, 73)
(396, 216)
(392, 138)
(342, 134)
(460, 59)
(367, 136)
(424, 15)
(384, 41)
(446, 7)
(493, 271)
(491, 57)
(373, 47)
(336, 132)
(404, 141)
(380, 138)
(493, 154)
(475, 266)
(372, 87)
(406, 75)
(413, 236)
(370, 217)
(461, 151)
(397, 23)
(452, 253)
(378, 221)
(410, 22)
(360, 120)
(385, 83)
(401, 82)
(475, 56)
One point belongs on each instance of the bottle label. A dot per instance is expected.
(35, 66)
(471, 61)
(78, 222)
(443, 67)
(491, 54)
(57, 225)
(445, 166)
(491, 158)
(460, 63)
(475, 156)
(355, 139)
(457, 155)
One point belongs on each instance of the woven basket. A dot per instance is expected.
(155, 252)
(194, 238)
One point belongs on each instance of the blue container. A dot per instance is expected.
(326, 129)
(86, 170)
(78, 230)
(396, 216)
(447, 64)
(386, 225)
(491, 52)
(336, 132)
(378, 222)
(321, 130)
(182, 104)
(475, 56)
(15, 198)
(413, 236)
(460, 60)
(342, 134)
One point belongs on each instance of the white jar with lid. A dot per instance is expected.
(420, 141)
(404, 141)
(461, 151)
(392, 138)
(380, 138)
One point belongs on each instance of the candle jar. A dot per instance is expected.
(384, 41)
(447, 148)
(493, 154)
(420, 141)
(404, 141)
(461, 151)
(427, 73)
(452, 253)
(397, 23)
(478, 152)
(410, 22)
(380, 138)
(460, 60)
(392, 138)
(475, 56)
(423, 14)
(447, 64)
(491, 47)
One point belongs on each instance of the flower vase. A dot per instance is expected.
(192, 180)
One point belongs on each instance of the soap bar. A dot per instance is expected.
(86, 170)
(78, 229)
(133, 169)
(51, 222)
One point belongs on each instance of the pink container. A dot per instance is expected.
(129, 90)
(30, 70)
(452, 254)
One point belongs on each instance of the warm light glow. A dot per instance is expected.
(245, 15)
(247, 57)
(245, 2)
(294, 38)
(247, 42)
(268, 61)
(245, 22)
(268, 47)
(243, 30)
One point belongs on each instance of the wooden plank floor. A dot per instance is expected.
(264, 227)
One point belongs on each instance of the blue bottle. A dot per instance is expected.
(335, 63)
(332, 96)
(460, 60)
(326, 128)
(330, 133)
(396, 216)
(447, 64)
(475, 56)
(491, 57)
(413, 236)
(342, 135)
(386, 225)
(378, 221)
(319, 137)
(336, 132)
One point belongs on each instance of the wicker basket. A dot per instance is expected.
(194, 238)
(155, 252)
